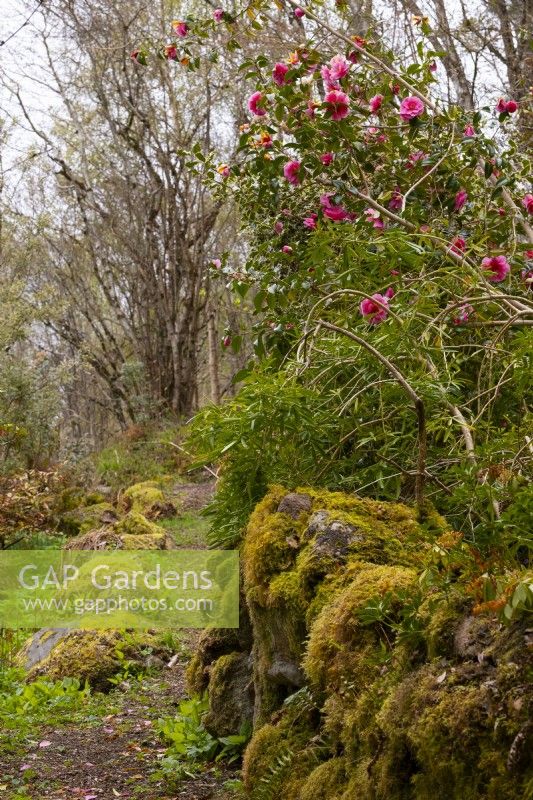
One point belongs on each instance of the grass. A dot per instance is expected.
(188, 529)
(147, 455)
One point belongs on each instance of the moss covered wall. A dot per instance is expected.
(369, 683)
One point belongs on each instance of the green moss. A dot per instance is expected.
(279, 758)
(460, 730)
(340, 646)
(230, 698)
(158, 541)
(136, 524)
(326, 782)
(266, 549)
(142, 497)
(439, 712)
(87, 655)
(73, 497)
(86, 519)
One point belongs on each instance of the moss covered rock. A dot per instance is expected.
(280, 757)
(231, 696)
(87, 655)
(326, 781)
(148, 499)
(370, 682)
(88, 518)
(136, 532)
(301, 549)
(92, 656)
(343, 646)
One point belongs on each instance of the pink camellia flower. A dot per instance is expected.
(224, 170)
(286, 249)
(278, 227)
(226, 341)
(433, 66)
(469, 130)
(180, 28)
(396, 201)
(171, 52)
(310, 221)
(502, 212)
(506, 106)
(500, 106)
(291, 170)
(218, 14)
(458, 246)
(373, 216)
(460, 199)
(337, 69)
(527, 202)
(216, 263)
(254, 104)
(419, 155)
(338, 105)
(326, 158)
(299, 12)
(333, 212)
(279, 72)
(375, 308)
(410, 108)
(528, 254)
(375, 103)
(463, 314)
(497, 266)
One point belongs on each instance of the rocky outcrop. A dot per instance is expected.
(222, 668)
(373, 678)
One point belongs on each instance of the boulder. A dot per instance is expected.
(148, 499)
(87, 655)
(370, 680)
(88, 518)
(231, 696)
(94, 657)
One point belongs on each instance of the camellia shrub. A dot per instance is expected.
(390, 266)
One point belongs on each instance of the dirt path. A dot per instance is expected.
(111, 749)
(109, 755)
